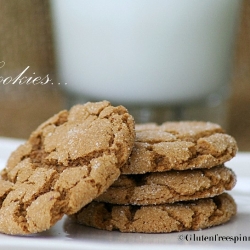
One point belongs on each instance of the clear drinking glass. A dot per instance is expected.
(162, 59)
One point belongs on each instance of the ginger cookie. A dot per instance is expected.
(168, 187)
(192, 215)
(179, 146)
(67, 162)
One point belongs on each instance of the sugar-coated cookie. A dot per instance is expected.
(179, 146)
(168, 187)
(192, 215)
(67, 162)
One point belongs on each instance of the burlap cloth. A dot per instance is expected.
(26, 40)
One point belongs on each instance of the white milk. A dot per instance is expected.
(145, 51)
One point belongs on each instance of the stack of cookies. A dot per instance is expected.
(93, 164)
(174, 180)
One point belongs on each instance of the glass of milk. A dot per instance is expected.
(162, 59)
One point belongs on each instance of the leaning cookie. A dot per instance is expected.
(66, 163)
(193, 215)
(168, 187)
(179, 146)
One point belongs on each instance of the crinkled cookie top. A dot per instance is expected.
(67, 162)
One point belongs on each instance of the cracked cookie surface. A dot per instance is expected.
(193, 215)
(168, 187)
(67, 162)
(179, 146)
